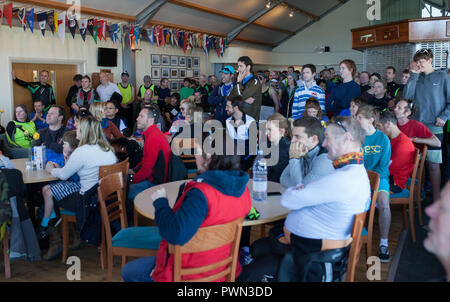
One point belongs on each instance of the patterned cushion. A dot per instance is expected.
(138, 237)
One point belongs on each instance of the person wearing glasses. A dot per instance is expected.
(430, 90)
(377, 158)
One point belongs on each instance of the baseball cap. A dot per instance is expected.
(228, 69)
(125, 73)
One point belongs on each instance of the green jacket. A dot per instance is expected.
(251, 88)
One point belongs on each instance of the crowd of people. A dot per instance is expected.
(326, 128)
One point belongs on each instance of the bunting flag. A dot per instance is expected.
(82, 25)
(51, 20)
(205, 44)
(30, 19)
(157, 38)
(119, 32)
(150, 34)
(0, 15)
(72, 24)
(22, 15)
(56, 22)
(101, 29)
(114, 32)
(136, 34)
(124, 33)
(161, 36)
(7, 13)
(62, 26)
(42, 20)
(130, 37)
(93, 28)
(90, 26)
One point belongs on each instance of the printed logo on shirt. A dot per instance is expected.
(370, 150)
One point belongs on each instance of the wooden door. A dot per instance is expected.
(60, 77)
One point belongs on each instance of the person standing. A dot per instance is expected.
(430, 90)
(107, 90)
(128, 94)
(218, 96)
(73, 91)
(287, 97)
(85, 95)
(248, 87)
(39, 90)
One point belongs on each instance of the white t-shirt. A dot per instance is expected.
(85, 161)
(105, 93)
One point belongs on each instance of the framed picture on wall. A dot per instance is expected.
(165, 60)
(174, 85)
(182, 73)
(173, 73)
(165, 72)
(195, 62)
(196, 73)
(182, 61)
(181, 84)
(173, 60)
(156, 72)
(156, 60)
(189, 73)
(189, 62)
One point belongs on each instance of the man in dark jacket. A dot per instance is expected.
(51, 136)
(39, 90)
(218, 96)
(73, 90)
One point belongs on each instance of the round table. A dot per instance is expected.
(269, 210)
(31, 176)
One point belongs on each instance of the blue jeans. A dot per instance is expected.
(135, 189)
(139, 270)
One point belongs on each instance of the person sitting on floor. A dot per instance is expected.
(402, 154)
(218, 195)
(308, 159)
(322, 211)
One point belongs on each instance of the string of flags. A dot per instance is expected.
(118, 33)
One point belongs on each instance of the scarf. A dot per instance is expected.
(349, 159)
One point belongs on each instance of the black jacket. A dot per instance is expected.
(51, 139)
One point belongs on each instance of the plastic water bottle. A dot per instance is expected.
(260, 178)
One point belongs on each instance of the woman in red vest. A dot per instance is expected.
(216, 196)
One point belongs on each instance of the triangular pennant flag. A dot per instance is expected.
(23, 17)
(1, 15)
(114, 31)
(72, 25)
(101, 29)
(42, 20)
(119, 32)
(204, 44)
(30, 19)
(51, 20)
(149, 33)
(104, 28)
(94, 32)
(130, 37)
(62, 26)
(161, 36)
(56, 22)
(7, 13)
(90, 26)
(124, 32)
(82, 25)
(136, 34)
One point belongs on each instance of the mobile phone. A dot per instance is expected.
(273, 193)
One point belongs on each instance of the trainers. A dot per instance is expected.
(45, 231)
(245, 258)
(383, 253)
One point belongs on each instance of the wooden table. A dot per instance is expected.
(270, 210)
(31, 176)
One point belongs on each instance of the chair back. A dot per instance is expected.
(110, 190)
(209, 238)
(374, 179)
(421, 167)
(355, 248)
(414, 174)
(123, 167)
(186, 145)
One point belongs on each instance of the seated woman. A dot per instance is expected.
(111, 131)
(179, 120)
(278, 133)
(20, 131)
(93, 151)
(380, 99)
(218, 195)
(58, 190)
(355, 104)
(370, 94)
(312, 108)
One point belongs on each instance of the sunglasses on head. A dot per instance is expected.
(341, 125)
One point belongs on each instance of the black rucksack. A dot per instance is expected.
(176, 170)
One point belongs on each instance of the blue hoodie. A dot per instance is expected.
(181, 226)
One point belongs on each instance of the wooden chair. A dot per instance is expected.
(5, 242)
(133, 241)
(69, 217)
(186, 144)
(419, 184)
(355, 249)
(406, 198)
(209, 238)
(366, 236)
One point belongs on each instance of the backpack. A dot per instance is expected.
(176, 170)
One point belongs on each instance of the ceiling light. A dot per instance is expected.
(269, 3)
(291, 13)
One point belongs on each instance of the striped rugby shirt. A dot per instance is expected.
(302, 94)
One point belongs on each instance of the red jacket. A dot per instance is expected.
(402, 156)
(221, 209)
(155, 141)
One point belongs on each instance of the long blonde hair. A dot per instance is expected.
(97, 110)
(92, 133)
(283, 123)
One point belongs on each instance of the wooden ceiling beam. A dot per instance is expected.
(226, 15)
(83, 9)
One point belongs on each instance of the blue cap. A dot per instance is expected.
(228, 69)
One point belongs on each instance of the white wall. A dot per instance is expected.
(333, 30)
(19, 46)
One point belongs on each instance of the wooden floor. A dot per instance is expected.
(55, 270)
